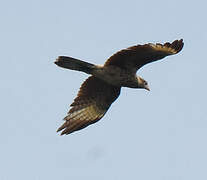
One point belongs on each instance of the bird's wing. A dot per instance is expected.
(93, 100)
(135, 57)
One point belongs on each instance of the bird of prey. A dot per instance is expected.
(103, 87)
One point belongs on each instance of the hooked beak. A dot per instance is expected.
(147, 88)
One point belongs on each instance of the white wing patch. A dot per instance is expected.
(86, 113)
(163, 48)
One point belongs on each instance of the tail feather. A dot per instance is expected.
(74, 64)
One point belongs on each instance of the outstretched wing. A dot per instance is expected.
(93, 100)
(135, 57)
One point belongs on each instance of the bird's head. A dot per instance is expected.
(142, 83)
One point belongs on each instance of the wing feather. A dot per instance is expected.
(133, 58)
(92, 102)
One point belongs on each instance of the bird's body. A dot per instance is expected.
(103, 87)
(116, 76)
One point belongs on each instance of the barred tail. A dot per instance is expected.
(74, 64)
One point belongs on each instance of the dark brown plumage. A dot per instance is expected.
(101, 89)
(137, 56)
(93, 100)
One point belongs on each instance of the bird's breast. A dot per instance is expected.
(116, 76)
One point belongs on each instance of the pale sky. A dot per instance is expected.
(159, 135)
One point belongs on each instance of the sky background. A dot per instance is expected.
(159, 135)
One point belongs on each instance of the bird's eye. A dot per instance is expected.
(145, 83)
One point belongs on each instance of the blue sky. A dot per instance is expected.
(159, 135)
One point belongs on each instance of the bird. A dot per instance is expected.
(104, 84)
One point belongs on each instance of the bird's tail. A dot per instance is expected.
(74, 64)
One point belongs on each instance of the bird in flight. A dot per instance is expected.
(103, 87)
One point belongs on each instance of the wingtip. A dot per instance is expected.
(181, 41)
(58, 130)
(176, 45)
(62, 133)
(179, 45)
